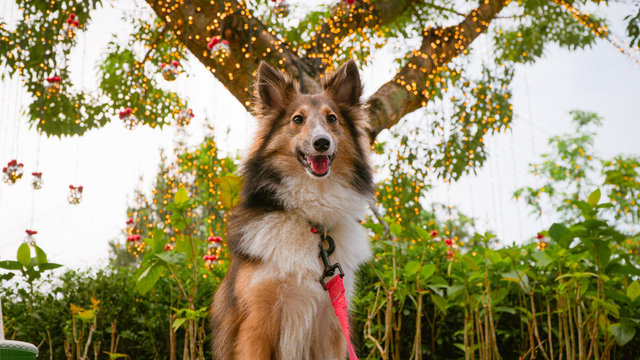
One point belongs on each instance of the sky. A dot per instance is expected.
(110, 162)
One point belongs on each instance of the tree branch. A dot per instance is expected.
(195, 22)
(408, 91)
(344, 21)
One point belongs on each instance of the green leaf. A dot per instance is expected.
(633, 291)
(440, 302)
(41, 256)
(24, 254)
(7, 276)
(10, 265)
(172, 258)
(594, 198)
(603, 253)
(177, 323)
(181, 196)
(149, 277)
(560, 234)
(48, 266)
(411, 268)
(86, 315)
(623, 332)
(427, 271)
(230, 188)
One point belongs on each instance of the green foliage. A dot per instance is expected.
(437, 291)
(569, 170)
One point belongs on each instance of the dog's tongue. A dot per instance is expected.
(320, 164)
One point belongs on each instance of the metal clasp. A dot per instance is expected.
(329, 269)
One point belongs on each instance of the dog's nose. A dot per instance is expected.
(321, 143)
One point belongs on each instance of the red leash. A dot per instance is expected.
(335, 286)
(339, 302)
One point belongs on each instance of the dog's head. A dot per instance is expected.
(322, 136)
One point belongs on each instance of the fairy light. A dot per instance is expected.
(601, 31)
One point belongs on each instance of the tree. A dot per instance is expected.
(435, 40)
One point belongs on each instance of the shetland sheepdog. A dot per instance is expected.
(308, 164)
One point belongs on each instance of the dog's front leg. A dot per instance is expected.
(258, 334)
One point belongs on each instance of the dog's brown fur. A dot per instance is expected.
(257, 304)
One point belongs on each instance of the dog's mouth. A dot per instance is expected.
(317, 165)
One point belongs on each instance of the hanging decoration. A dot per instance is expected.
(210, 260)
(75, 194)
(131, 226)
(541, 244)
(170, 71)
(215, 242)
(36, 180)
(349, 2)
(133, 238)
(127, 117)
(183, 117)
(52, 85)
(219, 48)
(281, 8)
(31, 239)
(70, 26)
(12, 172)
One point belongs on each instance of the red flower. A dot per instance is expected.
(215, 239)
(350, 2)
(434, 233)
(162, 65)
(210, 257)
(80, 188)
(71, 187)
(130, 221)
(31, 232)
(76, 23)
(72, 16)
(175, 63)
(448, 242)
(12, 163)
(167, 247)
(451, 254)
(540, 236)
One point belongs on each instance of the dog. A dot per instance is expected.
(308, 166)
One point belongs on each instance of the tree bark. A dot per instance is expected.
(195, 22)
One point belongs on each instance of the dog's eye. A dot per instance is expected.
(298, 119)
(332, 119)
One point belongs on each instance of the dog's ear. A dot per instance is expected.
(344, 85)
(273, 89)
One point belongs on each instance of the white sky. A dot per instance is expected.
(108, 162)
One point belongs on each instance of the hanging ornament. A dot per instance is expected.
(541, 244)
(219, 48)
(70, 26)
(215, 242)
(130, 121)
(210, 260)
(184, 116)
(131, 226)
(75, 195)
(31, 239)
(348, 3)
(170, 72)
(133, 238)
(12, 172)
(281, 8)
(36, 181)
(52, 85)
